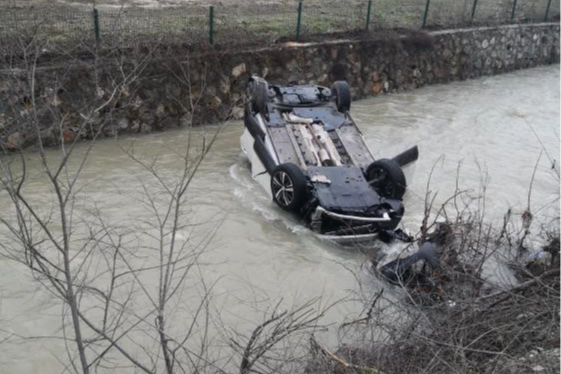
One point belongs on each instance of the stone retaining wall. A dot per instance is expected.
(176, 88)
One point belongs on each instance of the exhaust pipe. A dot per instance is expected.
(324, 158)
(407, 157)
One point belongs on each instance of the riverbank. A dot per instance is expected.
(454, 320)
(259, 255)
(145, 90)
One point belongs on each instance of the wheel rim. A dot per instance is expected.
(379, 180)
(378, 176)
(283, 188)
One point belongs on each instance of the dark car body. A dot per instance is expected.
(309, 154)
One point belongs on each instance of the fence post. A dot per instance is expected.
(547, 11)
(368, 11)
(298, 21)
(96, 25)
(211, 24)
(473, 10)
(426, 14)
(513, 11)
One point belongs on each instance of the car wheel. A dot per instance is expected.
(342, 94)
(387, 178)
(259, 93)
(289, 187)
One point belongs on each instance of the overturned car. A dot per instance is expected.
(307, 152)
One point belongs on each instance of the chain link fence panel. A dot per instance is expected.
(232, 24)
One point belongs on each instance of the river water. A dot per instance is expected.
(495, 128)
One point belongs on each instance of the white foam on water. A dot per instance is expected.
(251, 194)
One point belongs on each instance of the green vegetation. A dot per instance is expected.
(245, 23)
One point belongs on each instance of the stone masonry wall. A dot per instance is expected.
(176, 88)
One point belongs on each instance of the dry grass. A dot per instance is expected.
(242, 22)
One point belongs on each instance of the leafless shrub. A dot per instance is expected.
(120, 285)
(462, 317)
(96, 267)
(277, 344)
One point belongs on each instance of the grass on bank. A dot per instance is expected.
(246, 23)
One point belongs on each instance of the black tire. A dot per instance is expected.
(289, 187)
(263, 154)
(387, 178)
(342, 94)
(259, 93)
(251, 124)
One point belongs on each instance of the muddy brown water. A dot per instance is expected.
(496, 126)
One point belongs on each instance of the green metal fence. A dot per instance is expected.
(233, 25)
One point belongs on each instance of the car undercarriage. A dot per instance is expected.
(307, 152)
